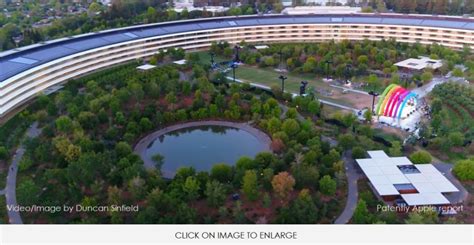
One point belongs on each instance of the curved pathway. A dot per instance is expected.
(10, 188)
(141, 147)
(351, 173)
(352, 190)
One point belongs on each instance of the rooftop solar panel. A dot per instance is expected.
(247, 22)
(150, 32)
(115, 38)
(181, 28)
(312, 20)
(23, 60)
(58, 48)
(469, 26)
(443, 23)
(86, 44)
(9, 68)
(273, 21)
(362, 20)
(400, 21)
(49, 53)
(210, 25)
(129, 34)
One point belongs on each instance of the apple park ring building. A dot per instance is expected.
(28, 71)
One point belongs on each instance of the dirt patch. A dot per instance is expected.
(357, 100)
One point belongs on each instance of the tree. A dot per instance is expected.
(396, 149)
(361, 213)
(301, 211)
(215, 193)
(456, 139)
(283, 184)
(27, 192)
(464, 169)
(123, 149)
(136, 187)
(3, 153)
(358, 152)
(64, 124)
(145, 124)
(420, 157)
(426, 76)
(327, 185)
(291, 127)
(422, 217)
(368, 116)
(191, 188)
(346, 141)
(249, 185)
(314, 107)
(222, 173)
(245, 163)
(273, 125)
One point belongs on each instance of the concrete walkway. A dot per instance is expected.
(353, 192)
(349, 89)
(10, 188)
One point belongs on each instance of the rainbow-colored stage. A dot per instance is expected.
(396, 102)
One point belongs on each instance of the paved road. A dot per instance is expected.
(352, 192)
(10, 188)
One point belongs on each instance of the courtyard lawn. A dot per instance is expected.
(269, 77)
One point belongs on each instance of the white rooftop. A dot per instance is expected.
(385, 172)
(261, 46)
(145, 67)
(180, 62)
(420, 63)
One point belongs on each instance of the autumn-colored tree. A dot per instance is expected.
(283, 184)
(277, 145)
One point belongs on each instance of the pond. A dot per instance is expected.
(202, 146)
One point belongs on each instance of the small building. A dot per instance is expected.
(420, 64)
(259, 47)
(180, 62)
(145, 67)
(398, 178)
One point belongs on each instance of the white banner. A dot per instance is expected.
(243, 234)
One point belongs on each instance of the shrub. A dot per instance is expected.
(464, 169)
(420, 157)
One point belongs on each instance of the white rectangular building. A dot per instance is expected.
(398, 177)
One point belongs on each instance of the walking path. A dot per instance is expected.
(10, 188)
(349, 89)
(352, 192)
(351, 173)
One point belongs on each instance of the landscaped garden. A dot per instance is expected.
(85, 154)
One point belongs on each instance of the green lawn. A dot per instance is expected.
(269, 77)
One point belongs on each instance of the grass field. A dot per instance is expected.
(269, 77)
